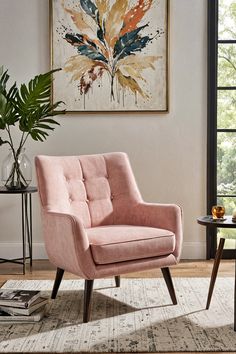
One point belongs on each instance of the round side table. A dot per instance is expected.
(224, 223)
(26, 223)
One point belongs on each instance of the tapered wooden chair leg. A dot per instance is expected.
(57, 282)
(117, 280)
(88, 289)
(169, 283)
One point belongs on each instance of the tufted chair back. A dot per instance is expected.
(99, 189)
(96, 224)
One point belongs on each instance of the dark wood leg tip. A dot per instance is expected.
(88, 289)
(117, 280)
(215, 271)
(57, 282)
(169, 283)
(85, 319)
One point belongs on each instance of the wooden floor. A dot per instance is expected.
(42, 269)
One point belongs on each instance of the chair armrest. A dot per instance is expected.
(163, 216)
(67, 244)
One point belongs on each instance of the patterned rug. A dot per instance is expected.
(137, 317)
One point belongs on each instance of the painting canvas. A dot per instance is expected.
(113, 54)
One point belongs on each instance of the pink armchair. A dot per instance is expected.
(96, 224)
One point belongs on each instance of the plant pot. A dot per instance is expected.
(16, 170)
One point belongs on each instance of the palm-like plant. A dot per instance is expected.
(28, 106)
(110, 40)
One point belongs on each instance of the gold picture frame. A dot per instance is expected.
(114, 55)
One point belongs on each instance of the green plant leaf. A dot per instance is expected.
(3, 104)
(38, 134)
(30, 106)
(51, 121)
(38, 123)
(33, 106)
(8, 115)
(2, 111)
(37, 93)
(3, 81)
(44, 126)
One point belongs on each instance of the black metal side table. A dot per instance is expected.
(224, 223)
(26, 224)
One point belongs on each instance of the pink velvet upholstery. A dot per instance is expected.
(120, 243)
(94, 219)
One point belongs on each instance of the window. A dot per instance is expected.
(221, 172)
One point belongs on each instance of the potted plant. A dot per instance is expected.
(30, 109)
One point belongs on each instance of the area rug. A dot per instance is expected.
(137, 317)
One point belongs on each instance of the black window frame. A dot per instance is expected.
(212, 130)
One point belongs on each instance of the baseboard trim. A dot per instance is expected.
(191, 250)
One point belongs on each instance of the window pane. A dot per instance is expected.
(226, 109)
(229, 234)
(229, 203)
(227, 19)
(230, 238)
(227, 64)
(226, 163)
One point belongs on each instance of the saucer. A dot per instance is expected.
(218, 219)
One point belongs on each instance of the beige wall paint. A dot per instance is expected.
(167, 151)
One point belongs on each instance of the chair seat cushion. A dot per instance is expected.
(119, 243)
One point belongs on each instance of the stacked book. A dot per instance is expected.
(21, 305)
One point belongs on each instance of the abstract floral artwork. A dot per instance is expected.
(113, 54)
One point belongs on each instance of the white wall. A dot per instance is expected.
(167, 151)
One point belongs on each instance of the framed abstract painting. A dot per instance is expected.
(113, 54)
